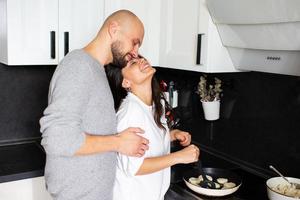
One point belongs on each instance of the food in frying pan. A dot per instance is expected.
(194, 180)
(220, 183)
(229, 185)
(218, 186)
(222, 180)
(207, 176)
(288, 190)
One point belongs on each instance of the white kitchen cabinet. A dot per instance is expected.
(27, 189)
(189, 39)
(40, 32)
(25, 32)
(79, 23)
(149, 13)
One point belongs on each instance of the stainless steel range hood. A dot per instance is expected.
(260, 35)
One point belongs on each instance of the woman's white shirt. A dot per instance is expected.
(135, 113)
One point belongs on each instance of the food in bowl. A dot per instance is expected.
(288, 190)
(279, 189)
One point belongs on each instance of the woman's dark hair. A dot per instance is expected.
(115, 78)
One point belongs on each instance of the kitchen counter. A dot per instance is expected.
(21, 161)
(217, 151)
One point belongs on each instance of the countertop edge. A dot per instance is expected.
(21, 176)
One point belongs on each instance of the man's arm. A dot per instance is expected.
(61, 125)
(128, 142)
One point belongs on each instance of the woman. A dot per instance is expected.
(138, 101)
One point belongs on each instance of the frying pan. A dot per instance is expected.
(215, 173)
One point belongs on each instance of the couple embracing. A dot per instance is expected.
(104, 130)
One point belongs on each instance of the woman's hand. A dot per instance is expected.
(187, 155)
(183, 137)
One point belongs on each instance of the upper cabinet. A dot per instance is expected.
(35, 32)
(79, 23)
(178, 34)
(189, 39)
(149, 13)
(28, 32)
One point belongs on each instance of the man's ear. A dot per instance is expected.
(126, 83)
(113, 28)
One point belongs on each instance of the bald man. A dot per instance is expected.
(79, 125)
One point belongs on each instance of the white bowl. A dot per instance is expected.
(211, 192)
(273, 182)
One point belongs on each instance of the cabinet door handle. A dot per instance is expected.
(198, 58)
(66, 44)
(52, 44)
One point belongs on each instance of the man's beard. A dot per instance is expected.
(118, 58)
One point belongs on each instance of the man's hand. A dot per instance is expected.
(183, 137)
(132, 144)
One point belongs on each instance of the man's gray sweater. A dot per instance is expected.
(80, 101)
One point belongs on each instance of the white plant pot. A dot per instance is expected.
(211, 109)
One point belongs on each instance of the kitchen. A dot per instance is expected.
(260, 108)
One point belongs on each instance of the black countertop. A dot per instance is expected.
(218, 151)
(20, 161)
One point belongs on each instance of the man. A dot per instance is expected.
(79, 125)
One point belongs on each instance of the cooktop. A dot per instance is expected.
(253, 186)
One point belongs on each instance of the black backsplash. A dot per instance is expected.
(23, 97)
(259, 121)
(259, 124)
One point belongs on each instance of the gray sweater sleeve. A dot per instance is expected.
(69, 91)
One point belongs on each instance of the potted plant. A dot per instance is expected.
(210, 97)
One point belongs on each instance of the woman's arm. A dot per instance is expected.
(127, 142)
(187, 155)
